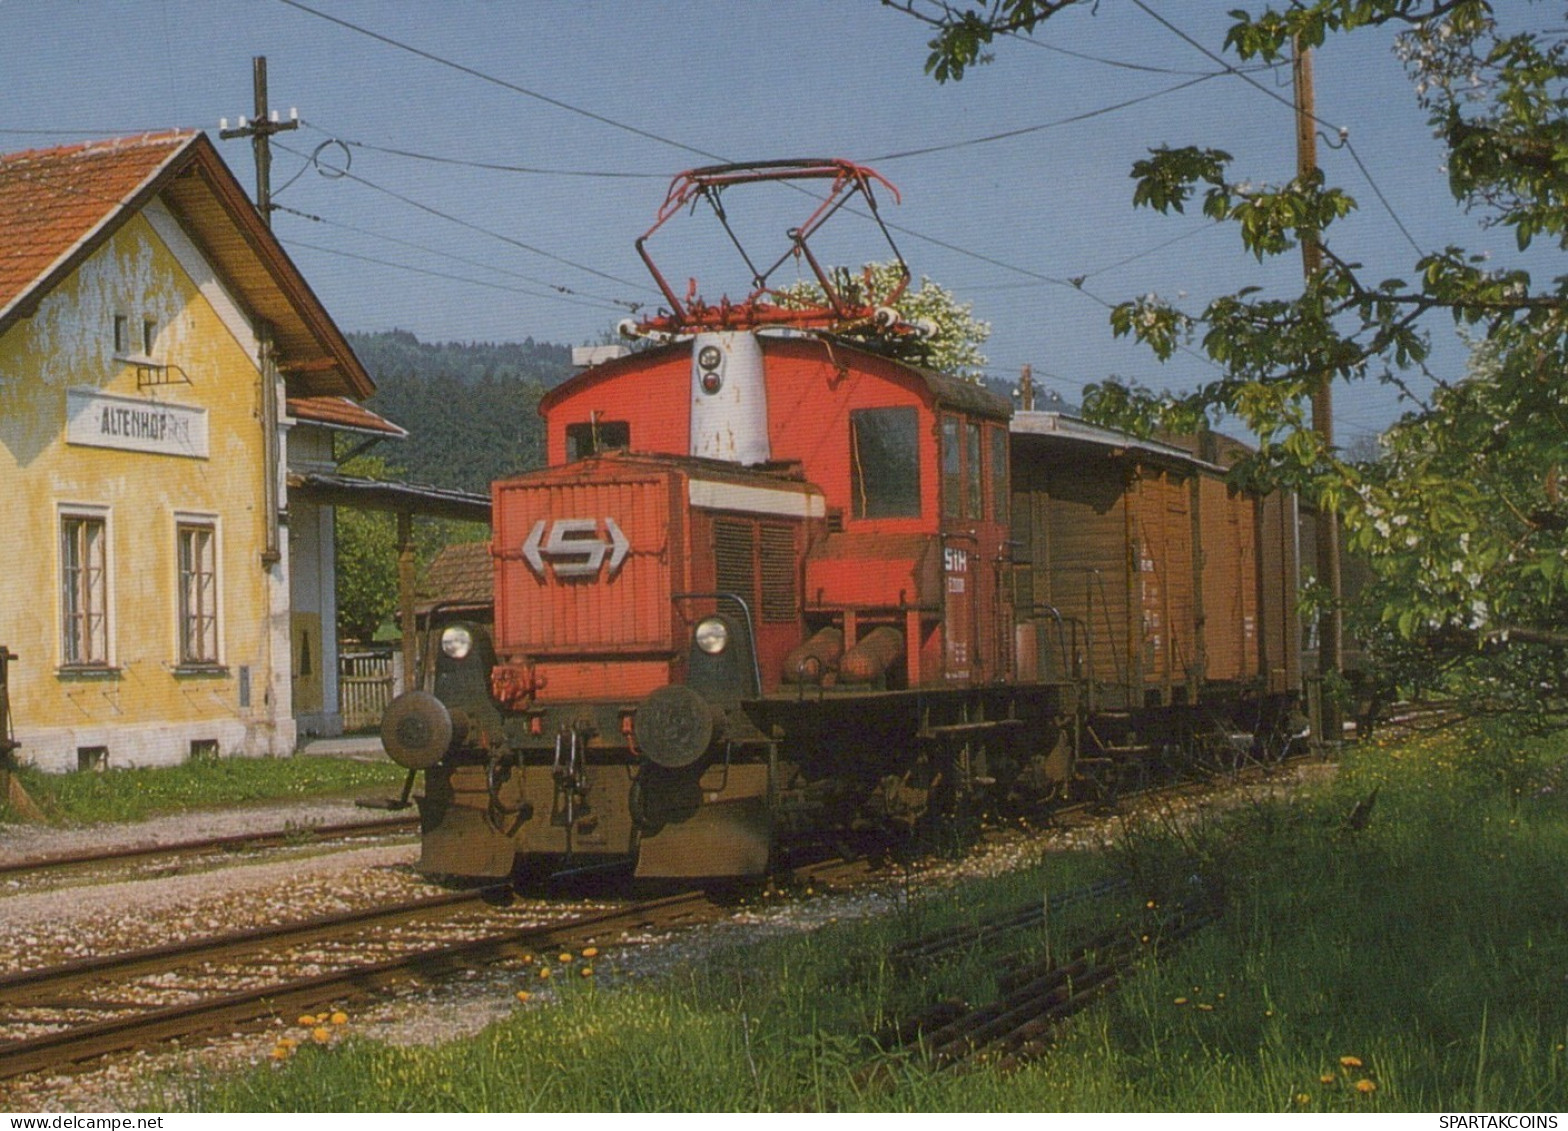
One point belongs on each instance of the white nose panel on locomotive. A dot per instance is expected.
(729, 401)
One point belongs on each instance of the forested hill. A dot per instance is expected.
(471, 408)
(398, 353)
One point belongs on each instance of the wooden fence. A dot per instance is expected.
(367, 682)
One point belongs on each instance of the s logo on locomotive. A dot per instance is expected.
(575, 538)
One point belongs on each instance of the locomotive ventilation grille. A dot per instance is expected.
(738, 564)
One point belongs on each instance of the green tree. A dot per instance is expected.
(366, 559)
(1462, 518)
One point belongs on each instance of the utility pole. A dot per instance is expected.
(259, 130)
(1330, 621)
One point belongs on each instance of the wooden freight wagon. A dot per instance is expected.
(1138, 571)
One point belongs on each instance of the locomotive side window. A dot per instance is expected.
(1000, 488)
(884, 462)
(972, 496)
(952, 470)
(591, 436)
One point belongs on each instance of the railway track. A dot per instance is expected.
(221, 845)
(86, 1009)
(83, 1010)
(1034, 996)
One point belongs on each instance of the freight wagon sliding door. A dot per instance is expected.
(1071, 522)
(1163, 583)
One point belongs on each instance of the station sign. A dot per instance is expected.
(101, 420)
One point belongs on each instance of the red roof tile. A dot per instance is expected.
(58, 205)
(54, 200)
(340, 412)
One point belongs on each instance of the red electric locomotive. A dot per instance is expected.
(774, 584)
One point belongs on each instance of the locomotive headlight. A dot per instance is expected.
(711, 383)
(712, 636)
(708, 357)
(457, 642)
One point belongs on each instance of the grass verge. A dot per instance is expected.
(1415, 964)
(135, 794)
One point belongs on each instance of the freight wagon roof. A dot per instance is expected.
(1056, 425)
(952, 392)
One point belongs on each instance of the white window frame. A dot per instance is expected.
(99, 645)
(212, 651)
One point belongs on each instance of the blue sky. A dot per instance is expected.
(604, 101)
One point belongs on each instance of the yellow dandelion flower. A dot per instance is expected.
(527, 960)
(1179, 1001)
(1303, 1098)
(281, 1053)
(1350, 1061)
(523, 995)
(339, 1018)
(1326, 1078)
(1151, 905)
(590, 952)
(586, 971)
(287, 1043)
(321, 1034)
(1365, 1087)
(1205, 1007)
(544, 971)
(307, 1021)
(563, 958)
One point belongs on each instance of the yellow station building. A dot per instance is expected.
(159, 354)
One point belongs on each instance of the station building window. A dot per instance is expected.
(196, 546)
(84, 589)
(884, 462)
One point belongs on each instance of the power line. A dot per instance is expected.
(1276, 96)
(557, 287)
(470, 225)
(491, 166)
(503, 83)
(593, 304)
(1045, 125)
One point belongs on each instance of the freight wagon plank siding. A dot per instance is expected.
(1230, 581)
(1162, 543)
(1278, 578)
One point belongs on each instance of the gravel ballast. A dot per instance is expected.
(44, 927)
